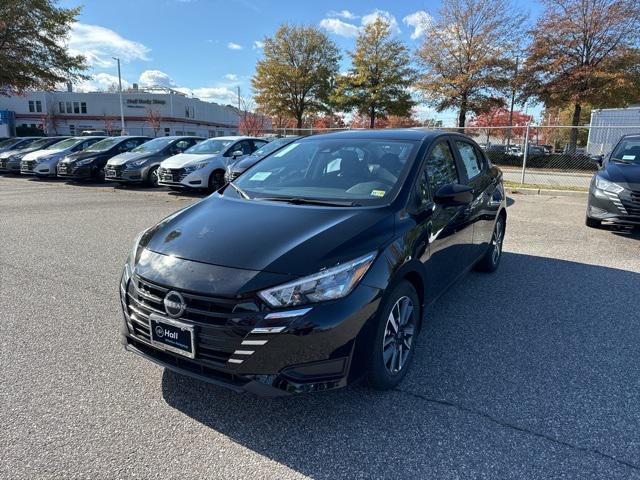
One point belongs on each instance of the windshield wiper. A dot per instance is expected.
(310, 201)
(620, 160)
(240, 191)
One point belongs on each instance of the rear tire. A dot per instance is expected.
(491, 259)
(392, 351)
(592, 223)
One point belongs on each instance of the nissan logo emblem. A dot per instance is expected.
(174, 304)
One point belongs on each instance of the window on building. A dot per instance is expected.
(69, 108)
(167, 131)
(83, 107)
(72, 129)
(61, 107)
(38, 106)
(189, 112)
(221, 133)
(32, 107)
(76, 107)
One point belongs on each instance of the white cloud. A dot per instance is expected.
(222, 95)
(232, 77)
(234, 46)
(99, 82)
(258, 45)
(150, 78)
(421, 21)
(371, 17)
(338, 27)
(99, 44)
(346, 29)
(346, 14)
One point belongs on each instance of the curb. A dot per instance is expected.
(544, 191)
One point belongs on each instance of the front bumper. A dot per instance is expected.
(9, 166)
(74, 173)
(177, 177)
(117, 173)
(620, 209)
(312, 351)
(40, 169)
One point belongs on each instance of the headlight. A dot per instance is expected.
(136, 164)
(329, 284)
(608, 186)
(195, 166)
(136, 251)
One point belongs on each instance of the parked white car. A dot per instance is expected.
(44, 163)
(203, 166)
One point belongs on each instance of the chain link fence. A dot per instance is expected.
(542, 156)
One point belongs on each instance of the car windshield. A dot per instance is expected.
(271, 146)
(154, 145)
(628, 151)
(8, 142)
(355, 171)
(38, 144)
(211, 146)
(104, 145)
(64, 144)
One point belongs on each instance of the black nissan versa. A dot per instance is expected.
(89, 164)
(614, 195)
(314, 268)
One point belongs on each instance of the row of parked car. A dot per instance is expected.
(178, 162)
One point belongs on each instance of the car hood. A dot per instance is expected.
(74, 157)
(268, 236)
(8, 153)
(624, 174)
(126, 157)
(40, 153)
(183, 159)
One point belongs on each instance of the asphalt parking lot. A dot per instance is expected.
(532, 372)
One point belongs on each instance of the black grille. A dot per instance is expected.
(3, 163)
(631, 202)
(171, 174)
(114, 170)
(219, 331)
(28, 165)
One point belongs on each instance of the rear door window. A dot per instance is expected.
(470, 158)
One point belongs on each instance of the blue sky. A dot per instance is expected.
(208, 47)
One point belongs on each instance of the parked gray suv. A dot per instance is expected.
(140, 165)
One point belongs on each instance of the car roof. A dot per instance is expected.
(176, 137)
(386, 133)
(234, 137)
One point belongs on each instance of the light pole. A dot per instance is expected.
(120, 93)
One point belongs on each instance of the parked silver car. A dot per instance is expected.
(44, 163)
(140, 165)
(10, 160)
(204, 165)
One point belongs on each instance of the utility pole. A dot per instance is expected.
(122, 132)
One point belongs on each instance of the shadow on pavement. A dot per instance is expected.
(531, 372)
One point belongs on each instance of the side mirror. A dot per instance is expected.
(598, 160)
(237, 153)
(454, 194)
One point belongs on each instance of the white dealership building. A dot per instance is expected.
(154, 112)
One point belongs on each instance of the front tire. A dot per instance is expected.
(152, 177)
(216, 181)
(491, 259)
(394, 343)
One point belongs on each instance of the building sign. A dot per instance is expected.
(141, 102)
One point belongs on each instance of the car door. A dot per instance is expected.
(445, 235)
(244, 146)
(475, 170)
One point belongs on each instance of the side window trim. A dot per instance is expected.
(423, 167)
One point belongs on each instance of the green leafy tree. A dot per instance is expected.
(297, 74)
(585, 52)
(378, 82)
(32, 46)
(463, 56)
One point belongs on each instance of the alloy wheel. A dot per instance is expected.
(398, 335)
(496, 241)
